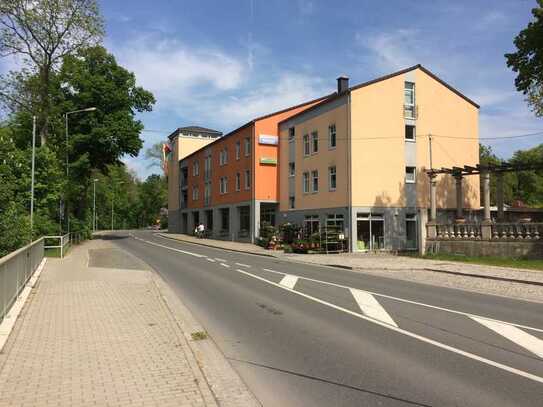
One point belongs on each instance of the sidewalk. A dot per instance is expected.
(509, 282)
(100, 329)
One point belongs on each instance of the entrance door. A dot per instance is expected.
(370, 231)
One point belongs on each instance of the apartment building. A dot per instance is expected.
(182, 142)
(357, 159)
(231, 183)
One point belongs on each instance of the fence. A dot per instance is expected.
(63, 245)
(15, 270)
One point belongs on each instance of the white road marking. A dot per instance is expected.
(225, 265)
(170, 248)
(222, 260)
(289, 281)
(401, 331)
(209, 259)
(371, 307)
(242, 265)
(514, 334)
(452, 311)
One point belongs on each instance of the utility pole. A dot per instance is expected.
(430, 147)
(94, 205)
(32, 177)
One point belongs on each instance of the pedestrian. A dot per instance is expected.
(201, 230)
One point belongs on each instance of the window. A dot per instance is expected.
(223, 156)
(410, 174)
(195, 193)
(315, 179)
(411, 231)
(225, 219)
(196, 168)
(291, 169)
(332, 178)
(335, 220)
(238, 149)
(207, 167)
(409, 100)
(409, 132)
(244, 218)
(315, 142)
(305, 182)
(332, 136)
(311, 224)
(306, 144)
(247, 179)
(238, 181)
(223, 185)
(247, 146)
(291, 133)
(291, 202)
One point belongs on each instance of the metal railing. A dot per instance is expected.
(15, 270)
(63, 243)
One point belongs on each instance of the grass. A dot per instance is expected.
(199, 336)
(521, 263)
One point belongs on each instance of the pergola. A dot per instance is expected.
(484, 170)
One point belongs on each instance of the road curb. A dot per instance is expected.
(165, 235)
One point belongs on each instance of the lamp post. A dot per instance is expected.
(113, 204)
(88, 109)
(94, 181)
(32, 178)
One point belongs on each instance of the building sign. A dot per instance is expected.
(268, 139)
(268, 161)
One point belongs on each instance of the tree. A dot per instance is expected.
(527, 61)
(153, 198)
(43, 32)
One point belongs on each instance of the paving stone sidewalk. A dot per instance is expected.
(97, 331)
(434, 272)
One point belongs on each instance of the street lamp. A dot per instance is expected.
(32, 182)
(113, 203)
(94, 181)
(88, 109)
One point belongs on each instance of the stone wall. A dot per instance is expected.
(527, 248)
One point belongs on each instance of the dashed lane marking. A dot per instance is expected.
(515, 335)
(401, 331)
(225, 265)
(210, 259)
(371, 307)
(289, 281)
(243, 265)
(221, 260)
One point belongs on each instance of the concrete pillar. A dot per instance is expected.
(216, 223)
(459, 197)
(486, 195)
(234, 222)
(499, 195)
(255, 220)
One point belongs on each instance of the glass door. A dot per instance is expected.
(370, 231)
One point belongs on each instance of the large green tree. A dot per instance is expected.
(41, 33)
(527, 61)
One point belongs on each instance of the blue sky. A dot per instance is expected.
(220, 63)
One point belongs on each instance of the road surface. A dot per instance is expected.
(306, 335)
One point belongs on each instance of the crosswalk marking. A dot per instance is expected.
(371, 307)
(514, 334)
(289, 281)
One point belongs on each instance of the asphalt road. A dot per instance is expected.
(304, 335)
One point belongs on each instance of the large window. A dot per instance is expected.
(223, 185)
(409, 100)
(247, 146)
(315, 142)
(196, 168)
(238, 149)
(247, 179)
(238, 181)
(315, 181)
(307, 147)
(410, 174)
(332, 136)
(332, 178)
(291, 169)
(335, 220)
(311, 224)
(225, 219)
(305, 182)
(195, 193)
(409, 132)
(244, 218)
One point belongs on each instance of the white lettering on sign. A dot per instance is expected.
(268, 139)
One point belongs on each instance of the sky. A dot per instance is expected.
(218, 64)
